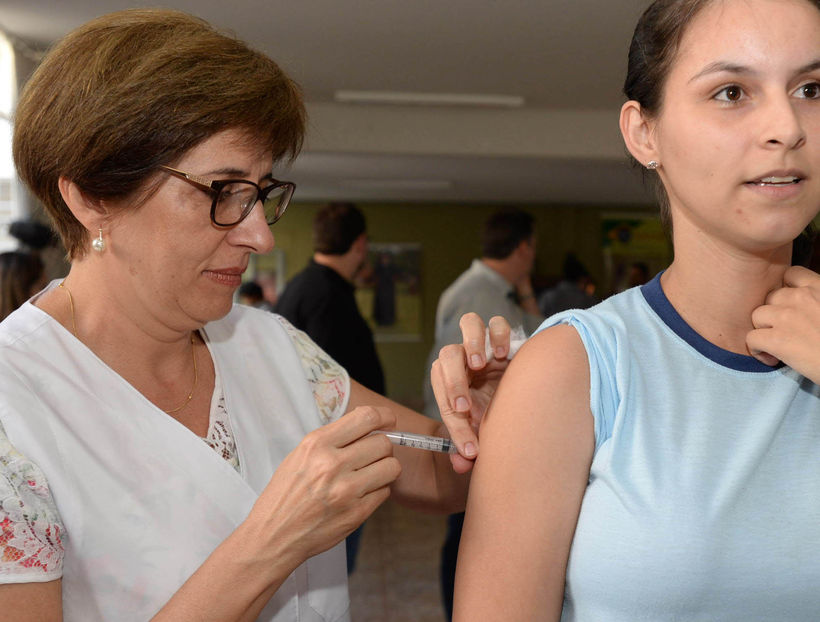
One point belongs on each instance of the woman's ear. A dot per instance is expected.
(639, 133)
(91, 213)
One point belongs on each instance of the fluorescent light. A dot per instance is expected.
(428, 99)
(397, 184)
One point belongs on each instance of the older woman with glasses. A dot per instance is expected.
(163, 452)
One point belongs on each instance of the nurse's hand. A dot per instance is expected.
(787, 326)
(327, 486)
(465, 377)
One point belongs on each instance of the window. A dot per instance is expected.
(11, 207)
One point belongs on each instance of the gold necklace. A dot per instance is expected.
(193, 350)
(193, 387)
(71, 304)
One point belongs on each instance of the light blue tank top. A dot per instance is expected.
(703, 500)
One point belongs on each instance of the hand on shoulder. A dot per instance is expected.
(787, 325)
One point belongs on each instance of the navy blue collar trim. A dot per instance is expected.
(653, 293)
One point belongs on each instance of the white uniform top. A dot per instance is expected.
(144, 501)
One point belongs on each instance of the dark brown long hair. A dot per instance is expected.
(19, 272)
(654, 46)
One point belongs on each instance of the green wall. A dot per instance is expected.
(449, 235)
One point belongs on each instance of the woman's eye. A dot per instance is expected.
(230, 190)
(809, 91)
(729, 94)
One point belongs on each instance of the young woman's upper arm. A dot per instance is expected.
(31, 602)
(537, 441)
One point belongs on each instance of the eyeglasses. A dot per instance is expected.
(233, 199)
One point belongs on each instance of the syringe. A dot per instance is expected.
(421, 441)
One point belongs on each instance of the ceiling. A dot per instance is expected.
(565, 58)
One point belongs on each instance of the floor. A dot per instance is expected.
(397, 571)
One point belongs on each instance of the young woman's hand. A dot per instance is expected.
(787, 325)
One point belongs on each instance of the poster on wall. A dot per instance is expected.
(635, 249)
(388, 291)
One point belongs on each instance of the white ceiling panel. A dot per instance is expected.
(565, 58)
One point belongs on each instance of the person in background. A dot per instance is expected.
(164, 453)
(497, 284)
(33, 236)
(655, 457)
(268, 282)
(250, 293)
(570, 292)
(40, 240)
(638, 274)
(21, 276)
(320, 301)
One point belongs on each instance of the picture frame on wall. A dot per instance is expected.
(635, 249)
(388, 291)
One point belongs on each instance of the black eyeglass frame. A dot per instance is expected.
(215, 186)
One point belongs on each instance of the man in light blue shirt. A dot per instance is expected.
(499, 283)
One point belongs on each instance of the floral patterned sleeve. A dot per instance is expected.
(329, 380)
(31, 531)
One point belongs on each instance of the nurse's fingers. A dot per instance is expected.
(499, 331)
(473, 338)
(450, 379)
(357, 423)
(452, 397)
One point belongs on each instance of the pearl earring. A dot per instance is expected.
(98, 244)
(652, 165)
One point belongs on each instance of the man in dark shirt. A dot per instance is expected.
(320, 301)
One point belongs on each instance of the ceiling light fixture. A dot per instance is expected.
(428, 99)
(397, 184)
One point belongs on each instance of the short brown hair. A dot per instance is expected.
(503, 231)
(335, 227)
(136, 89)
(19, 272)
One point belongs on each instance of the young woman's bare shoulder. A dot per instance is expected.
(553, 358)
(544, 394)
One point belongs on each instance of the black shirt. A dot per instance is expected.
(320, 302)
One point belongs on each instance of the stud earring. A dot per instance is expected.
(98, 244)
(652, 165)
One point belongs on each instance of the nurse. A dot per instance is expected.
(164, 454)
(656, 457)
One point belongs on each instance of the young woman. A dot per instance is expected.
(656, 457)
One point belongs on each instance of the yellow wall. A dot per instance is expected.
(450, 239)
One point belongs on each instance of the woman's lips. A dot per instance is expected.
(230, 277)
(776, 181)
(777, 188)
